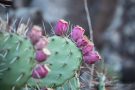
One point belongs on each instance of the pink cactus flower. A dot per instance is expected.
(42, 55)
(77, 33)
(43, 42)
(40, 71)
(92, 57)
(61, 27)
(82, 42)
(88, 48)
(35, 34)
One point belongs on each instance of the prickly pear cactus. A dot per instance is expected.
(72, 84)
(64, 61)
(16, 61)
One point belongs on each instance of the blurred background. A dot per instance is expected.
(113, 23)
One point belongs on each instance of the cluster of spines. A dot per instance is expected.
(12, 50)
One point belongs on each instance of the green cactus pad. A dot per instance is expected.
(72, 84)
(16, 61)
(64, 61)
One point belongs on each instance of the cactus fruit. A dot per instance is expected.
(42, 55)
(72, 84)
(16, 61)
(61, 27)
(43, 42)
(90, 56)
(64, 61)
(40, 71)
(35, 34)
(77, 33)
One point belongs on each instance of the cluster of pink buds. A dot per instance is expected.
(40, 71)
(90, 56)
(40, 43)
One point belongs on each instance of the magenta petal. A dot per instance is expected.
(61, 27)
(82, 42)
(41, 56)
(77, 33)
(43, 42)
(88, 48)
(35, 34)
(40, 71)
(92, 57)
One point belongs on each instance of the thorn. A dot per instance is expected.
(7, 18)
(30, 60)
(70, 85)
(5, 69)
(28, 22)
(13, 25)
(26, 87)
(20, 21)
(8, 36)
(19, 78)
(2, 56)
(26, 49)
(52, 29)
(13, 88)
(14, 59)
(54, 85)
(21, 29)
(38, 88)
(6, 52)
(62, 88)
(26, 31)
(18, 45)
(44, 27)
(71, 28)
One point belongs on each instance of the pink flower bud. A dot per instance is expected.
(35, 34)
(92, 57)
(61, 27)
(77, 33)
(88, 48)
(40, 71)
(43, 42)
(42, 55)
(82, 42)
